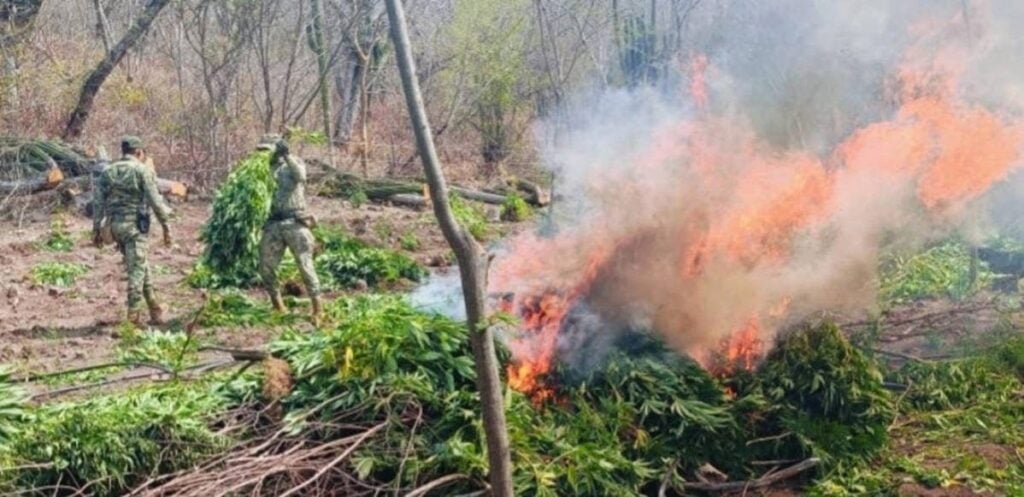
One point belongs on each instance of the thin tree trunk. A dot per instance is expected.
(103, 26)
(472, 266)
(91, 87)
(17, 19)
(348, 84)
(320, 48)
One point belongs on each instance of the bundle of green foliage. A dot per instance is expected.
(826, 393)
(944, 270)
(57, 273)
(344, 261)
(232, 235)
(110, 443)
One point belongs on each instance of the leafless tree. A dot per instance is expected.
(98, 76)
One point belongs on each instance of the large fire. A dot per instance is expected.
(725, 256)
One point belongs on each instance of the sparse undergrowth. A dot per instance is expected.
(63, 274)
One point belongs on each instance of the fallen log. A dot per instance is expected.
(43, 182)
(384, 189)
(170, 187)
(532, 193)
(409, 200)
(487, 198)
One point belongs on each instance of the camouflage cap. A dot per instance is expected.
(131, 141)
(268, 141)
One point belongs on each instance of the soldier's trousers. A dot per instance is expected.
(134, 247)
(279, 235)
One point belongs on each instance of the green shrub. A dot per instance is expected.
(410, 242)
(58, 239)
(57, 273)
(232, 234)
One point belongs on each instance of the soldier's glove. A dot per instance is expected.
(167, 237)
(97, 239)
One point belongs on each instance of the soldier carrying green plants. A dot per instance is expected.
(124, 195)
(288, 226)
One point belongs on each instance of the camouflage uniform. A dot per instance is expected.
(287, 226)
(123, 188)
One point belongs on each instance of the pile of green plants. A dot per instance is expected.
(621, 430)
(343, 262)
(231, 307)
(827, 394)
(12, 407)
(944, 270)
(947, 409)
(109, 443)
(58, 273)
(232, 234)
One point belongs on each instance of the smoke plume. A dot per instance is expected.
(760, 184)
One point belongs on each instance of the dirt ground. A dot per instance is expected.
(47, 328)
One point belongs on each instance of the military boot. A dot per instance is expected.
(135, 317)
(316, 310)
(156, 312)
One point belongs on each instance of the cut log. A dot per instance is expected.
(409, 200)
(169, 187)
(487, 198)
(43, 182)
(535, 195)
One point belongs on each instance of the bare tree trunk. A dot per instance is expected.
(103, 26)
(320, 49)
(348, 82)
(472, 266)
(91, 87)
(17, 18)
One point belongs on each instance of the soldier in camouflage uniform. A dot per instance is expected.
(288, 225)
(125, 191)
